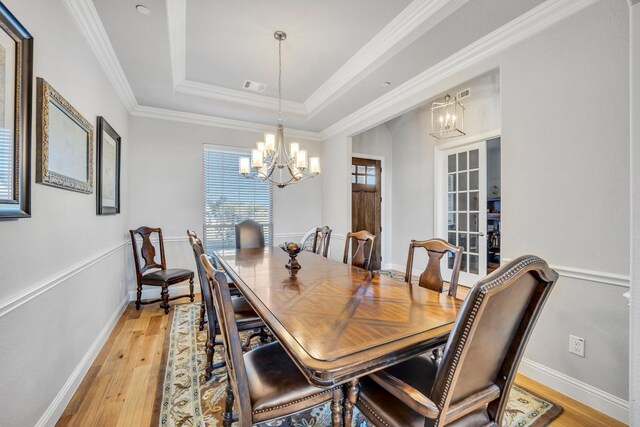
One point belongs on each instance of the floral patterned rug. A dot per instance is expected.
(187, 400)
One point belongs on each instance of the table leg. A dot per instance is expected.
(353, 388)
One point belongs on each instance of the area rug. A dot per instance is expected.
(187, 400)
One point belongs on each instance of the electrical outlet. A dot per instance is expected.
(576, 345)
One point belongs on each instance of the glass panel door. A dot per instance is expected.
(465, 169)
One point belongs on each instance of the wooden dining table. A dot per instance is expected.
(338, 322)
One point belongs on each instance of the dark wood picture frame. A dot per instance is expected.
(18, 205)
(103, 207)
(52, 108)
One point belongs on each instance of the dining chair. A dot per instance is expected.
(470, 386)
(234, 291)
(359, 258)
(161, 275)
(249, 234)
(244, 316)
(431, 278)
(264, 383)
(321, 240)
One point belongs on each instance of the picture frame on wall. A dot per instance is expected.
(64, 149)
(16, 82)
(108, 147)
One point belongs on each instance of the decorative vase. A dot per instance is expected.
(292, 249)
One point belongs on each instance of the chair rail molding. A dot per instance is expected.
(606, 278)
(13, 302)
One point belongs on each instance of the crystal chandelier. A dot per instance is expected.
(447, 118)
(270, 159)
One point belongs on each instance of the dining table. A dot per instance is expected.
(338, 322)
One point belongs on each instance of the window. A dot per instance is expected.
(230, 198)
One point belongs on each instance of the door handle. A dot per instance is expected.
(481, 234)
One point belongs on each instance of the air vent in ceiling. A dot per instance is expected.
(463, 94)
(254, 86)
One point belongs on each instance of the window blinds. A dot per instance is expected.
(230, 198)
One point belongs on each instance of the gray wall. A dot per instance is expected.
(565, 191)
(62, 269)
(166, 181)
(634, 349)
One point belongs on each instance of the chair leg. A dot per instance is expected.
(246, 346)
(228, 405)
(139, 297)
(202, 315)
(191, 294)
(336, 407)
(165, 298)
(209, 368)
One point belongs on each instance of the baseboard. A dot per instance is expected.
(149, 292)
(60, 402)
(591, 396)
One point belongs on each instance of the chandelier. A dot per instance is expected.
(447, 118)
(270, 160)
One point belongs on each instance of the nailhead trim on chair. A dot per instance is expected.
(273, 408)
(472, 316)
(370, 409)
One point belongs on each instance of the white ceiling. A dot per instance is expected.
(338, 54)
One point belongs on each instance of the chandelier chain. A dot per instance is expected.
(279, 81)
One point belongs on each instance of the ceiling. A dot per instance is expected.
(194, 55)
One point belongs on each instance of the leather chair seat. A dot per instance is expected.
(377, 404)
(244, 313)
(169, 275)
(276, 385)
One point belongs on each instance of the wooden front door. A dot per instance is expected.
(366, 202)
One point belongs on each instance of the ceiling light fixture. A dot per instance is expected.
(270, 161)
(447, 118)
(144, 10)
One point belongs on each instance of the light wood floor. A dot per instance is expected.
(120, 387)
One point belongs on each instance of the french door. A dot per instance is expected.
(461, 207)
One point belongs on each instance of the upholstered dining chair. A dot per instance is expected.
(249, 234)
(161, 275)
(264, 382)
(470, 386)
(244, 316)
(359, 258)
(321, 240)
(431, 278)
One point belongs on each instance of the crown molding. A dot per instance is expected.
(369, 56)
(220, 93)
(403, 97)
(177, 26)
(205, 120)
(86, 17)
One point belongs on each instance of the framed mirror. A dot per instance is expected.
(16, 77)
(64, 152)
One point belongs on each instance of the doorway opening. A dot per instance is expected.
(494, 204)
(366, 202)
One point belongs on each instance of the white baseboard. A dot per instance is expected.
(591, 396)
(60, 402)
(149, 292)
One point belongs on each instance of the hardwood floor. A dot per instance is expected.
(120, 387)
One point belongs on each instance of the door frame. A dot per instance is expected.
(440, 190)
(383, 195)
